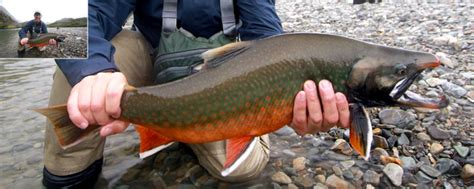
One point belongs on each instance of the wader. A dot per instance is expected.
(30, 35)
(176, 56)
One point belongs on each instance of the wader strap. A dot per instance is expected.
(169, 15)
(228, 18)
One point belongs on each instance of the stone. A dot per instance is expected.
(403, 140)
(305, 182)
(394, 172)
(454, 90)
(337, 170)
(348, 175)
(334, 181)
(380, 142)
(372, 177)
(436, 148)
(299, 163)
(37, 145)
(438, 133)
(320, 186)
(397, 117)
(468, 173)
(421, 177)
(423, 137)
(347, 164)
(342, 146)
(281, 177)
(292, 186)
(430, 171)
(444, 59)
(449, 167)
(289, 153)
(433, 82)
(320, 178)
(461, 150)
(285, 131)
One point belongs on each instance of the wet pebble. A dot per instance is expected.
(462, 150)
(372, 177)
(342, 146)
(430, 170)
(299, 163)
(394, 172)
(423, 137)
(334, 181)
(438, 133)
(281, 177)
(397, 117)
(436, 148)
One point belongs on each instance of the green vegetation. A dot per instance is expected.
(70, 22)
(6, 20)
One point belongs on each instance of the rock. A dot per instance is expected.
(470, 96)
(305, 182)
(423, 178)
(433, 82)
(347, 164)
(290, 171)
(444, 59)
(281, 177)
(380, 142)
(320, 178)
(320, 186)
(403, 140)
(397, 117)
(437, 133)
(394, 172)
(461, 150)
(342, 146)
(468, 173)
(436, 148)
(337, 170)
(285, 131)
(372, 177)
(430, 171)
(37, 145)
(334, 181)
(292, 186)
(423, 137)
(289, 153)
(449, 167)
(299, 163)
(454, 90)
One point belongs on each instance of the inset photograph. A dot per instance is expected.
(40, 29)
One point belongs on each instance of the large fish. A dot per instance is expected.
(247, 89)
(43, 39)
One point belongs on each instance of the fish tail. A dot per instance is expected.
(66, 132)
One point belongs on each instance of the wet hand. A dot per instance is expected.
(24, 41)
(52, 42)
(313, 113)
(96, 100)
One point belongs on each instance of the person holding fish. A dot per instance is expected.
(175, 33)
(31, 30)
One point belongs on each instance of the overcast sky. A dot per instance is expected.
(51, 10)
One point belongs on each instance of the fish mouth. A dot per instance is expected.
(402, 96)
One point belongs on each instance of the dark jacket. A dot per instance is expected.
(202, 18)
(31, 27)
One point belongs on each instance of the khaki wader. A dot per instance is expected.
(134, 61)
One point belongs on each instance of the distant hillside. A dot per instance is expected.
(6, 19)
(70, 22)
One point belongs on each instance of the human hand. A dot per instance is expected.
(96, 100)
(24, 41)
(312, 115)
(52, 42)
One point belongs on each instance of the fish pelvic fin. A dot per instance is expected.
(217, 56)
(151, 141)
(66, 132)
(361, 135)
(237, 151)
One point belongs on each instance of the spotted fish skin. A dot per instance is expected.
(244, 96)
(43, 39)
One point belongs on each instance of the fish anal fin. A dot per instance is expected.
(151, 141)
(215, 57)
(66, 132)
(360, 130)
(237, 150)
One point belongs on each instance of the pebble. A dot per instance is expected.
(448, 166)
(397, 117)
(281, 177)
(347, 164)
(394, 172)
(436, 148)
(462, 150)
(422, 178)
(423, 137)
(37, 145)
(468, 173)
(403, 140)
(380, 142)
(438, 133)
(320, 186)
(292, 186)
(342, 146)
(334, 181)
(454, 90)
(299, 163)
(305, 182)
(320, 178)
(430, 170)
(372, 177)
(289, 153)
(337, 170)
(433, 81)
(443, 59)
(285, 131)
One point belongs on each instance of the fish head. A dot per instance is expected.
(383, 75)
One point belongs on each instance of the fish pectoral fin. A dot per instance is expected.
(215, 57)
(237, 150)
(360, 130)
(66, 132)
(151, 141)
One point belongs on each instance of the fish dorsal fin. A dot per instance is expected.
(237, 150)
(215, 57)
(360, 131)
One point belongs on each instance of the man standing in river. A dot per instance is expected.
(31, 30)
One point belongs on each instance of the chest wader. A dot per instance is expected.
(32, 34)
(178, 52)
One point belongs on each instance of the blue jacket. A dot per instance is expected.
(202, 18)
(31, 27)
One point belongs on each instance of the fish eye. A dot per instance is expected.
(401, 69)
